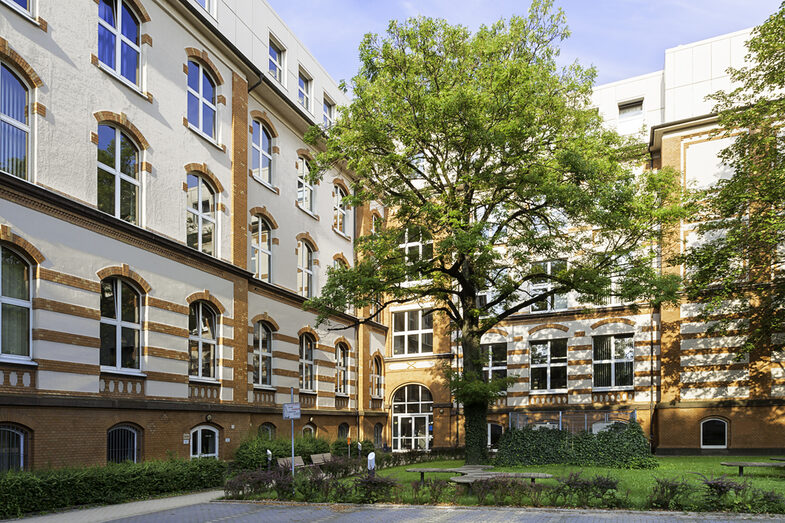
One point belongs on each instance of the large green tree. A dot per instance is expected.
(736, 268)
(483, 145)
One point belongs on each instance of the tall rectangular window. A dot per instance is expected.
(549, 364)
(413, 332)
(304, 91)
(613, 361)
(275, 62)
(329, 112)
(495, 359)
(545, 283)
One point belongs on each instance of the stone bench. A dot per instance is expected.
(423, 470)
(470, 479)
(743, 464)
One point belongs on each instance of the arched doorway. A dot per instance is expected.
(412, 418)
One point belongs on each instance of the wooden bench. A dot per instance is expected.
(287, 462)
(321, 459)
(742, 464)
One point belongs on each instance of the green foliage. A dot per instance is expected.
(339, 447)
(736, 266)
(24, 492)
(621, 446)
(252, 453)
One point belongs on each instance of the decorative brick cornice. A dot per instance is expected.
(262, 117)
(209, 298)
(201, 56)
(606, 321)
(23, 245)
(549, 326)
(262, 211)
(202, 169)
(121, 120)
(22, 67)
(125, 272)
(264, 317)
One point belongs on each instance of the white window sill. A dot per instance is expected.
(268, 186)
(549, 311)
(306, 211)
(341, 395)
(276, 81)
(207, 138)
(540, 392)
(416, 355)
(625, 388)
(123, 80)
(198, 250)
(342, 234)
(208, 381)
(17, 360)
(268, 388)
(123, 372)
(307, 391)
(377, 397)
(22, 11)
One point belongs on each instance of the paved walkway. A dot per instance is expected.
(196, 508)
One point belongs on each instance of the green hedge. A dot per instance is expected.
(23, 492)
(252, 453)
(621, 446)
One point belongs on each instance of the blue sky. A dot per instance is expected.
(622, 38)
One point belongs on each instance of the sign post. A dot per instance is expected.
(291, 411)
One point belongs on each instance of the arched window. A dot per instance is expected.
(378, 429)
(342, 369)
(309, 430)
(261, 247)
(262, 354)
(14, 124)
(201, 100)
(339, 209)
(201, 340)
(376, 378)
(262, 153)
(121, 325)
(122, 444)
(304, 269)
(13, 447)
(304, 187)
(267, 431)
(118, 174)
(412, 418)
(343, 431)
(118, 39)
(15, 306)
(307, 346)
(376, 224)
(204, 442)
(714, 434)
(200, 224)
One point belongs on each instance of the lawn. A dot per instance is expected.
(638, 483)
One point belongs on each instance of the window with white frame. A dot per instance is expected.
(304, 186)
(261, 152)
(201, 100)
(119, 39)
(121, 325)
(309, 430)
(261, 247)
(24, 6)
(714, 434)
(15, 306)
(613, 361)
(304, 269)
(204, 442)
(342, 369)
(207, 5)
(122, 444)
(632, 109)
(307, 347)
(13, 447)
(200, 219)
(377, 390)
(495, 355)
(329, 112)
(412, 332)
(118, 174)
(415, 245)
(339, 209)
(202, 338)
(276, 61)
(304, 90)
(544, 284)
(262, 354)
(548, 364)
(14, 124)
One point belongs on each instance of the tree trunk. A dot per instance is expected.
(475, 425)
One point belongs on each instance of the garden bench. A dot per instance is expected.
(321, 459)
(423, 470)
(287, 462)
(778, 459)
(742, 464)
(470, 479)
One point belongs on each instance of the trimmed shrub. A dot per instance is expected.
(23, 492)
(252, 453)
(339, 447)
(621, 446)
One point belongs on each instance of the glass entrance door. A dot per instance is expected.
(412, 418)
